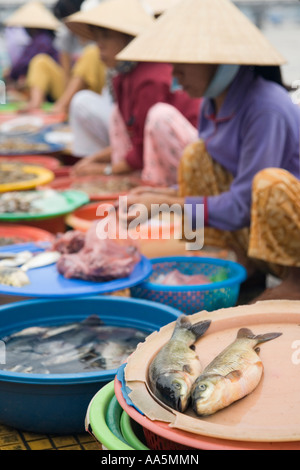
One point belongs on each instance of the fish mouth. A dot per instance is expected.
(179, 405)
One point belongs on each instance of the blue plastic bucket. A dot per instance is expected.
(57, 404)
(190, 299)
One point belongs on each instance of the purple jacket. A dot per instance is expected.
(256, 128)
(42, 43)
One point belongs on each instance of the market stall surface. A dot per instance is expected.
(11, 439)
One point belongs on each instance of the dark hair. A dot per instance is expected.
(272, 73)
(32, 32)
(94, 29)
(64, 8)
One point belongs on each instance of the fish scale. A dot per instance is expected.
(232, 375)
(177, 365)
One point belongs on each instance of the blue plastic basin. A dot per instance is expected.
(57, 404)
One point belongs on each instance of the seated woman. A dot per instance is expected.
(41, 66)
(137, 87)
(41, 42)
(248, 124)
(40, 26)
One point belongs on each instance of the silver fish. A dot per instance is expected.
(176, 366)
(232, 375)
(17, 260)
(17, 277)
(41, 260)
(74, 347)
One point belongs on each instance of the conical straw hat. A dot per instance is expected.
(159, 6)
(125, 16)
(33, 15)
(203, 31)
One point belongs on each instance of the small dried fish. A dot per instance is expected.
(15, 201)
(13, 277)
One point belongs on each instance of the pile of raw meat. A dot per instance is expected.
(85, 256)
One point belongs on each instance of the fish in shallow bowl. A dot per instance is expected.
(70, 348)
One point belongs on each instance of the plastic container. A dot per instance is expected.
(42, 176)
(132, 432)
(50, 163)
(10, 111)
(57, 404)
(53, 212)
(105, 422)
(255, 422)
(73, 182)
(82, 218)
(193, 298)
(25, 234)
(62, 171)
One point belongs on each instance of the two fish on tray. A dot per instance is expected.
(178, 380)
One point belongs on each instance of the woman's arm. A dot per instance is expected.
(94, 164)
(263, 141)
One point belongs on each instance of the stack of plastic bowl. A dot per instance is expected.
(110, 425)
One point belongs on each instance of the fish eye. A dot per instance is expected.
(202, 387)
(177, 385)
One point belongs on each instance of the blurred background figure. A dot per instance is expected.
(79, 59)
(55, 65)
(39, 25)
(136, 89)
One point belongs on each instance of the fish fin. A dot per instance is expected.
(200, 328)
(92, 320)
(246, 333)
(187, 368)
(234, 375)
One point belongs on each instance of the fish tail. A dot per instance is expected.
(246, 333)
(198, 329)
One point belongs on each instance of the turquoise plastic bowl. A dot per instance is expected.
(57, 404)
(193, 299)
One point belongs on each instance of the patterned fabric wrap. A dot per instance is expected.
(272, 242)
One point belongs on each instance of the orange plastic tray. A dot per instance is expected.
(25, 233)
(69, 181)
(50, 163)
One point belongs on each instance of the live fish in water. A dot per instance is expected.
(232, 375)
(176, 366)
(71, 348)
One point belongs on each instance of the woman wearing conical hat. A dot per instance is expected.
(40, 25)
(49, 75)
(244, 168)
(137, 87)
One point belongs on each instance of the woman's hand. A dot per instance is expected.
(89, 169)
(93, 165)
(144, 203)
